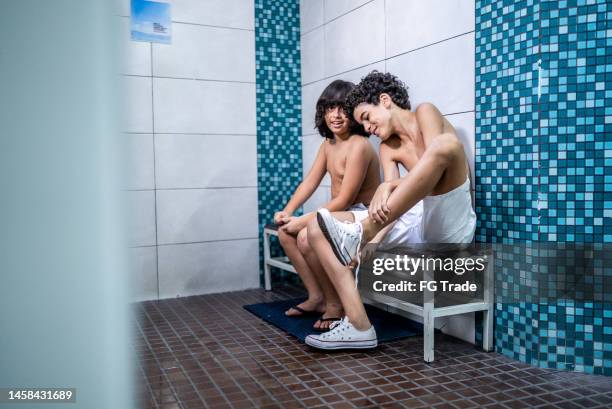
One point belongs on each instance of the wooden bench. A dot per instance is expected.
(427, 311)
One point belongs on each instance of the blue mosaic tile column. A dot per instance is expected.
(543, 166)
(279, 109)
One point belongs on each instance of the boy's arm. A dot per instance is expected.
(354, 174)
(310, 182)
(389, 166)
(431, 122)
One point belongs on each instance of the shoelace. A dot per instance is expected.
(358, 253)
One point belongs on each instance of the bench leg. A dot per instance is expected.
(487, 333)
(489, 313)
(267, 283)
(428, 319)
(428, 333)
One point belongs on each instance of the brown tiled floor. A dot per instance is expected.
(208, 352)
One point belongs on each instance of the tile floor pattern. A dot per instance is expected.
(208, 352)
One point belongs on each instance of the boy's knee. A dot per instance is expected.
(313, 231)
(302, 241)
(285, 238)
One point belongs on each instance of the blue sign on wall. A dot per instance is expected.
(151, 21)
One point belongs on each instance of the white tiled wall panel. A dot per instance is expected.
(311, 14)
(313, 55)
(206, 53)
(138, 115)
(197, 161)
(335, 8)
(224, 13)
(143, 281)
(141, 217)
(442, 74)
(355, 39)
(139, 169)
(193, 215)
(190, 106)
(203, 268)
(415, 23)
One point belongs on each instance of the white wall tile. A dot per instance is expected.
(460, 326)
(193, 215)
(196, 161)
(357, 74)
(136, 54)
(416, 23)
(191, 106)
(143, 273)
(312, 55)
(464, 125)
(141, 218)
(138, 116)
(224, 13)
(139, 169)
(355, 39)
(311, 14)
(206, 53)
(442, 74)
(203, 268)
(335, 8)
(321, 196)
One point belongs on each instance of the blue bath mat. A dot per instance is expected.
(389, 327)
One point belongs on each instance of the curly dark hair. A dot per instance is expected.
(372, 85)
(334, 95)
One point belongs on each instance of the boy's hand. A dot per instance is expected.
(281, 218)
(293, 225)
(378, 209)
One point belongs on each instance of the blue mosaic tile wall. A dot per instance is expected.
(544, 173)
(279, 110)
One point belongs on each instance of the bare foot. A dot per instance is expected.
(314, 305)
(331, 311)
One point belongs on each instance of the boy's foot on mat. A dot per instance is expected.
(306, 309)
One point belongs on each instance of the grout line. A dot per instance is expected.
(333, 19)
(154, 171)
(191, 188)
(387, 58)
(205, 241)
(189, 133)
(190, 242)
(199, 24)
(188, 78)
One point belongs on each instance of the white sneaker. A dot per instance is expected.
(343, 335)
(344, 237)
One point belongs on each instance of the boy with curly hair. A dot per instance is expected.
(423, 141)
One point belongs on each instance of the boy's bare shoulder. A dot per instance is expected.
(359, 141)
(426, 107)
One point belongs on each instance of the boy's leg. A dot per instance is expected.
(340, 276)
(315, 295)
(333, 305)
